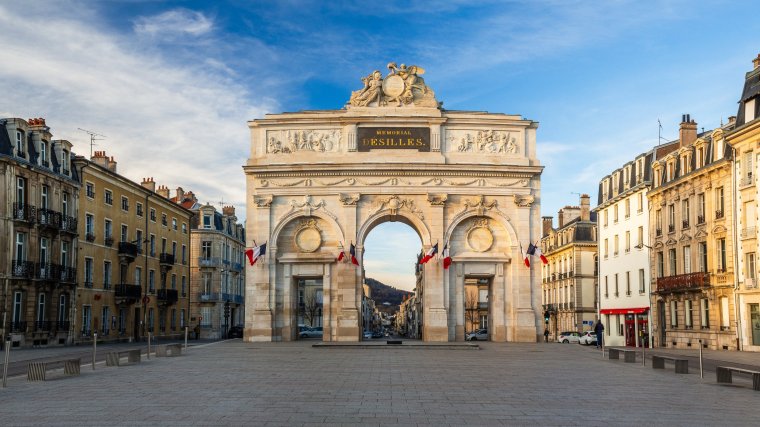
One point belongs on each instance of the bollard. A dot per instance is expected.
(7, 358)
(94, 348)
(643, 355)
(185, 337)
(701, 372)
(148, 346)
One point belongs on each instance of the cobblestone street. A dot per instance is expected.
(241, 383)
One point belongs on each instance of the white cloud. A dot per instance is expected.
(174, 22)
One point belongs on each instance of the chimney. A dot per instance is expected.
(546, 222)
(111, 164)
(756, 62)
(100, 159)
(688, 131)
(731, 120)
(163, 191)
(228, 211)
(37, 123)
(585, 207)
(561, 218)
(191, 196)
(149, 184)
(180, 194)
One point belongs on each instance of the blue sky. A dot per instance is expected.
(172, 83)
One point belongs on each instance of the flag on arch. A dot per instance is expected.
(342, 254)
(353, 255)
(540, 254)
(429, 254)
(446, 257)
(526, 260)
(255, 253)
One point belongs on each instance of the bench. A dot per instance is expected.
(114, 358)
(723, 374)
(682, 365)
(630, 355)
(163, 350)
(36, 371)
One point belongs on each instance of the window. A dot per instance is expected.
(43, 153)
(206, 250)
(184, 254)
(688, 315)
(65, 204)
(184, 284)
(173, 321)
(660, 264)
(44, 258)
(704, 313)
(617, 245)
(152, 245)
(163, 219)
(640, 207)
(64, 253)
(671, 218)
(20, 191)
(658, 222)
(139, 240)
(719, 203)
(615, 213)
(184, 228)
(139, 209)
(627, 208)
(701, 208)
(724, 318)
(106, 274)
(138, 276)
(152, 214)
(124, 233)
(685, 213)
(65, 161)
(672, 262)
(205, 317)
(17, 308)
(174, 281)
(89, 227)
(152, 281)
(151, 319)
(44, 196)
(174, 249)
(673, 314)
(640, 236)
(686, 259)
(642, 284)
(206, 283)
(606, 248)
(124, 203)
(90, 190)
(108, 229)
(627, 241)
(617, 287)
(721, 247)
(62, 310)
(702, 254)
(163, 245)
(628, 283)
(20, 144)
(86, 319)
(40, 309)
(109, 197)
(750, 272)
(88, 272)
(106, 316)
(749, 110)
(207, 221)
(174, 223)
(181, 317)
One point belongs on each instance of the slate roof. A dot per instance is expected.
(751, 90)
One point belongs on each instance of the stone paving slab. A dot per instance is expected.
(238, 383)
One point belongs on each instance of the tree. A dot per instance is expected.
(311, 309)
(470, 310)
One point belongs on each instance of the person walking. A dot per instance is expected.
(546, 334)
(197, 331)
(599, 329)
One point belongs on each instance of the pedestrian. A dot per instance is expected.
(546, 334)
(197, 331)
(599, 329)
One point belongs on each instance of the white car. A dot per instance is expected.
(367, 335)
(477, 335)
(309, 332)
(567, 337)
(587, 338)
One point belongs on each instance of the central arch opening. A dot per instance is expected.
(391, 294)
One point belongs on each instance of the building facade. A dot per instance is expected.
(217, 267)
(133, 258)
(745, 141)
(692, 256)
(39, 224)
(624, 274)
(569, 284)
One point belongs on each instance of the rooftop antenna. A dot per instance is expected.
(221, 203)
(93, 137)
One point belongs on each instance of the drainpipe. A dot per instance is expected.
(737, 245)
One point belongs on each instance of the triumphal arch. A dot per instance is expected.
(320, 181)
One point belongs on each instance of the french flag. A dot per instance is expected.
(540, 255)
(430, 254)
(353, 255)
(256, 253)
(526, 260)
(446, 257)
(342, 254)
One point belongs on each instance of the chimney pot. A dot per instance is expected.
(687, 132)
(756, 62)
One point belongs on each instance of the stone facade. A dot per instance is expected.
(692, 256)
(320, 180)
(569, 279)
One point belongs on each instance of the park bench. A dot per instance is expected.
(682, 365)
(163, 350)
(36, 371)
(723, 374)
(630, 355)
(114, 358)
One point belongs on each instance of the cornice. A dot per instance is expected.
(383, 169)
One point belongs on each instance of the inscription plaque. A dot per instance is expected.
(379, 138)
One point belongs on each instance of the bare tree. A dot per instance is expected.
(311, 309)
(470, 310)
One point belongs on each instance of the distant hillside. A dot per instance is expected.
(383, 293)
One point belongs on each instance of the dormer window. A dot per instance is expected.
(20, 144)
(43, 153)
(65, 162)
(700, 157)
(206, 221)
(749, 110)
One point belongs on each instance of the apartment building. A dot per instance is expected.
(39, 221)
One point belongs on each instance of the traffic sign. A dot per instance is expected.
(146, 299)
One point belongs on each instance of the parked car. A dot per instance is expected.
(235, 332)
(377, 334)
(308, 332)
(367, 335)
(567, 337)
(587, 338)
(477, 335)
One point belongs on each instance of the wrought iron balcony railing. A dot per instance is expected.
(22, 269)
(208, 262)
(49, 218)
(23, 212)
(124, 290)
(683, 282)
(166, 259)
(167, 296)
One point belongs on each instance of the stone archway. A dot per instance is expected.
(392, 155)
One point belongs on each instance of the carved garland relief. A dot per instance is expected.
(483, 141)
(476, 182)
(480, 235)
(298, 140)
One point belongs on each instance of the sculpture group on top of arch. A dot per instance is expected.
(402, 86)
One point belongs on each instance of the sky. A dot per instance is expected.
(172, 84)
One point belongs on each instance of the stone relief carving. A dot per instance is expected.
(403, 86)
(477, 182)
(308, 237)
(349, 199)
(307, 206)
(263, 201)
(295, 140)
(480, 206)
(437, 199)
(483, 141)
(524, 201)
(479, 235)
(395, 203)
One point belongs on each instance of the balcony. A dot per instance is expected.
(482, 305)
(49, 219)
(210, 297)
(236, 267)
(237, 299)
(62, 325)
(671, 228)
(127, 294)
(90, 236)
(166, 260)
(750, 284)
(658, 232)
(108, 241)
(68, 275)
(24, 269)
(747, 180)
(43, 325)
(683, 282)
(18, 327)
(685, 224)
(68, 224)
(24, 213)
(206, 262)
(700, 219)
(127, 252)
(44, 271)
(167, 296)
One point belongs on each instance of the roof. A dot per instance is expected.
(751, 90)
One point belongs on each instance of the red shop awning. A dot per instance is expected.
(624, 310)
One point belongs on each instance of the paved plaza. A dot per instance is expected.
(238, 383)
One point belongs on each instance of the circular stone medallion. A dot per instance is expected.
(308, 239)
(480, 239)
(393, 86)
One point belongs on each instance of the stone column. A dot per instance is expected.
(458, 309)
(435, 317)
(259, 290)
(347, 277)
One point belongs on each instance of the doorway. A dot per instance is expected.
(477, 307)
(309, 304)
